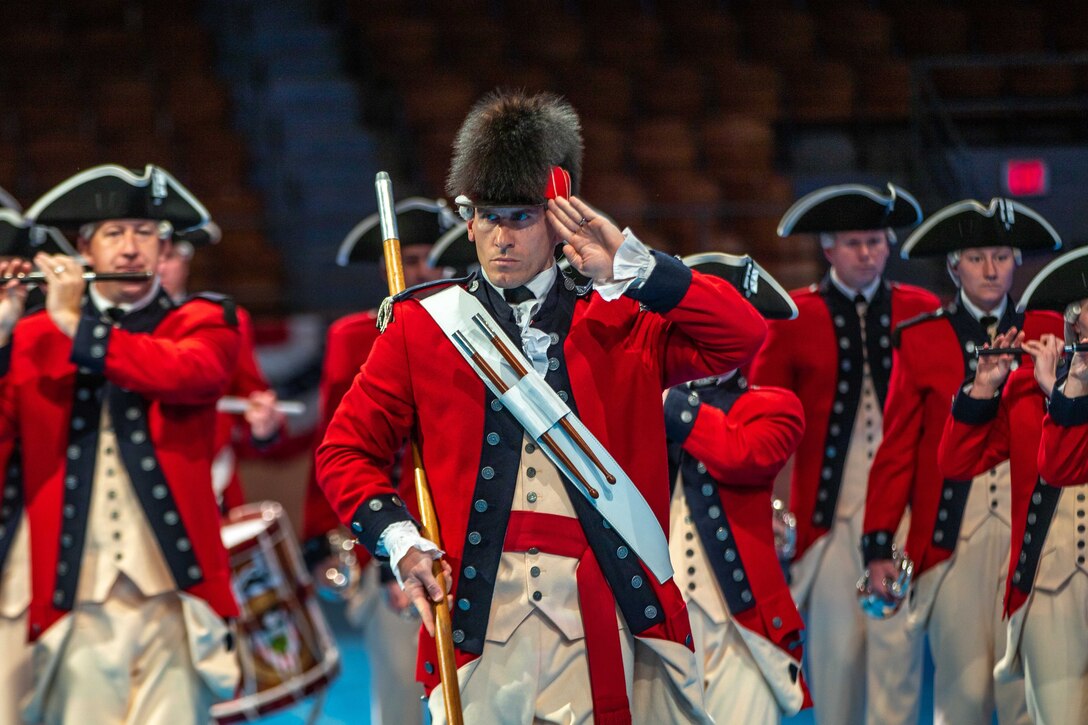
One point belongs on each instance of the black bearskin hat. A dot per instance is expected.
(507, 146)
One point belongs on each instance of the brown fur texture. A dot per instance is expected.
(507, 145)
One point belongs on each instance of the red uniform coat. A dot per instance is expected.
(347, 346)
(741, 437)
(232, 428)
(167, 378)
(931, 365)
(805, 355)
(618, 357)
(979, 435)
(1063, 451)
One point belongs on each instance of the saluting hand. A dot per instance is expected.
(992, 370)
(417, 572)
(590, 240)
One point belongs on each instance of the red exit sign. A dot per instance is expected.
(1026, 177)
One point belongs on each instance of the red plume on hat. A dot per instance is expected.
(508, 146)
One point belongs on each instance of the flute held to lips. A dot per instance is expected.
(1067, 349)
(39, 278)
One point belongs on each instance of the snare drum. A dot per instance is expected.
(285, 647)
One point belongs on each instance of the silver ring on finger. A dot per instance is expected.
(582, 222)
(58, 269)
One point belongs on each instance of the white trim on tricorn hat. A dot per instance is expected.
(454, 249)
(1062, 281)
(20, 238)
(202, 236)
(850, 207)
(415, 217)
(969, 224)
(115, 192)
(751, 280)
(7, 201)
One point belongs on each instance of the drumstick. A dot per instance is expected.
(237, 404)
(567, 426)
(499, 383)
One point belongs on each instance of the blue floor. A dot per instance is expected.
(348, 698)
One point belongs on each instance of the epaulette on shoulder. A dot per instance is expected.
(897, 333)
(385, 309)
(230, 307)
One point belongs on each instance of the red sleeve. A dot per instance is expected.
(1063, 453)
(248, 377)
(773, 365)
(750, 444)
(370, 424)
(190, 368)
(973, 444)
(712, 330)
(346, 348)
(892, 474)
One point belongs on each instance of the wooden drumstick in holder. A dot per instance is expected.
(502, 387)
(443, 621)
(565, 424)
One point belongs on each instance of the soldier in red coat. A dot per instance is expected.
(561, 587)
(1047, 581)
(727, 441)
(111, 390)
(959, 530)
(261, 423)
(17, 239)
(377, 605)
(836, 356)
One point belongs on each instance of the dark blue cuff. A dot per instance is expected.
(263, 444)
(974, 411)
(681, 410)
(666, 285)
(1068, 411)
(375, 515)
(876, 545)
(91, 341)
(5, 358)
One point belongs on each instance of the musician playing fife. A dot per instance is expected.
(111, 390)
(555, 617)
(959, 528)
(860, 669)
(1046, 595)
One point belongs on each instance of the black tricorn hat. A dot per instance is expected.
(751, 280)
(967, 224)
(454, 249)
(419, 221)
(7, 201)
(20, 238)
(507, 146)
(850, 207)
(202, 236)
(1061, 282)
(114, 192)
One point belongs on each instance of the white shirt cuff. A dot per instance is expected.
(398, 538)
(632, 265)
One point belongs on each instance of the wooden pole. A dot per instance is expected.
(443, 621)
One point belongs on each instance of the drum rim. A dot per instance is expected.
(282, 696)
